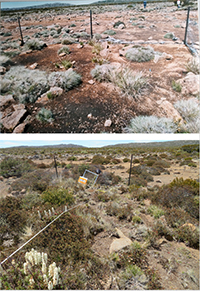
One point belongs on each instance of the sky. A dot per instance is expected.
(17, 4)
(88, 140)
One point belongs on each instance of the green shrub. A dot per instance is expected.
(57, 196)
(140, 54)
(45, 115)
(176, 86)
(10, 167)
(155, 211)
(122, 212)
(188, 235)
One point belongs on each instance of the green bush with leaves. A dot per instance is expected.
(35, 44)
(64, 49)
(57, 196)
(14, 167)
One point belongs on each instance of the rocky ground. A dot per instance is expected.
(100, 106)
(175, 262)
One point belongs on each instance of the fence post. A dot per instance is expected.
(55, 166)
(91, 34)
(186, 28)
(129, 179)
(22, 41)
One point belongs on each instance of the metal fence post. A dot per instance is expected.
(91, 34)
(186, 28)
(22, 41)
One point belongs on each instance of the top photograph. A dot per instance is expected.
(112, 66)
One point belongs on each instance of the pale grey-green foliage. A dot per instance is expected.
(151, 124)
(64, 49)
(45, 115)
(110, 32)
(190, 111)
(103, 72)
(66, 80)
(140, 54)
(34, 44)
(125, 78)
(26, 85)
(193, 66)
(67, 39)
(4, 60)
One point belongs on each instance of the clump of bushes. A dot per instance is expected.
(193, 66)
(176, 86)
(122, 212)
(190, 111)
(140, 54)
(109, 32)
(66, 80)
(57, 196)
(34, 44)
(130, 82)
(26, 85)
(10, 167)
(151, 124)
(64, 49)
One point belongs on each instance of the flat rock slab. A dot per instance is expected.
(5, 100)
(10, 122)
(120, 243)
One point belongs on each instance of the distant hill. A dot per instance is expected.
(48, 5)
(161, 144)
(51, 146)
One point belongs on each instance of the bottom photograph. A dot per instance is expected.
(94, 214)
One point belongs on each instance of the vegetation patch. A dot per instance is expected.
(140, 54)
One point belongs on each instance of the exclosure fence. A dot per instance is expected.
(66, 210)
(191, 39)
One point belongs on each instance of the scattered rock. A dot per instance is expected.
(23, 191)
(91, 82)
(33, 66)
(89, 115)
(108, 123)
(158, 181)
(62, 55)
(1, 178)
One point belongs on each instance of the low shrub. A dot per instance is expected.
(34, 44)
(37, 180)
(151, 124)
(66, 80)
(122, 212)
(188, 235)
(190, 111)
(109, 32)
(193, 66)
(26, 85)
(140, 54)
(64, 49)
(12, 219)
(57, 196)
(14, 167)
(45, 115)
(155, 211)
(176, 86)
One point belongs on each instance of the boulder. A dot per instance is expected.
(190, 84)
(120, 243)
(33, 66)
(5, 100)
(2, 70)
(169, 110)
(19, 128)
(11, 121)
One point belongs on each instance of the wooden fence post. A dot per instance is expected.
(129, 179)
(55, 166)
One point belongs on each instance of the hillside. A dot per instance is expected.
(112, 235)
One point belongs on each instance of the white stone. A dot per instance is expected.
(108, 123)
